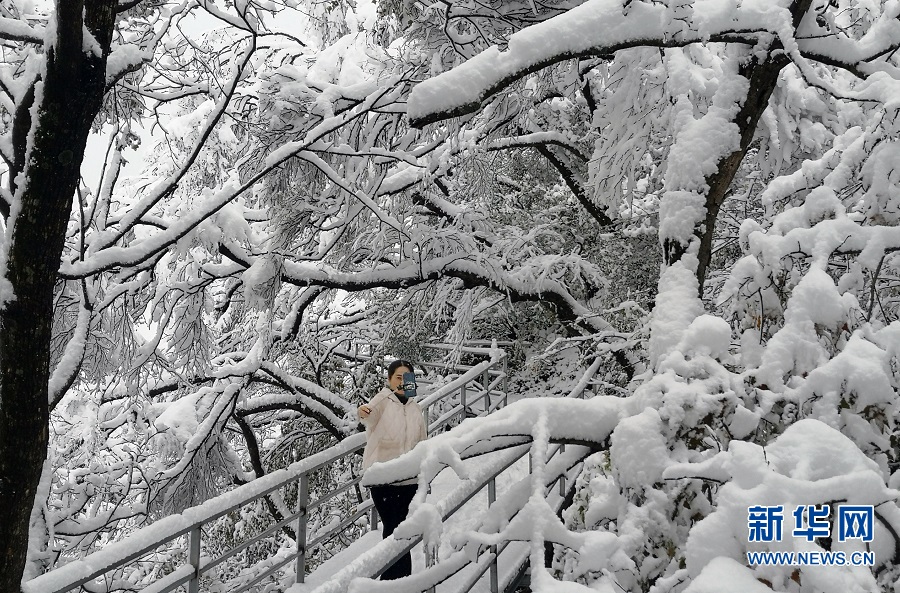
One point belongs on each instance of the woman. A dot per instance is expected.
(394, 424)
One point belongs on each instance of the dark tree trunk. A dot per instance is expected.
(762, 76)
(67, 101)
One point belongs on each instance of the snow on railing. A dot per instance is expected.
(562, 465)
(580, 427)
(481, 389)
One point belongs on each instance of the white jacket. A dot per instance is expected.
(392, 428)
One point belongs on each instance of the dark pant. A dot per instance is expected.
(392, 504)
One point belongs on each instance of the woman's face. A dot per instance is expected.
(395, 381)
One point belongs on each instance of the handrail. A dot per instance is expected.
(192, 521)
(560, 462)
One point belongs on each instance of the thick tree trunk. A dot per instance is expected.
(762, 76)
(67, 101)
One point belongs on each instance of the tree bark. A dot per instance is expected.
(66, 101)
(762, 75)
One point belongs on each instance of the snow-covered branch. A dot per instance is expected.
(18, 30)
(595, 28)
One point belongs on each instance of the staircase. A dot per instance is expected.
(304, 509)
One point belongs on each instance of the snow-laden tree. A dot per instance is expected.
(56, 72)
(197, 321)
(106, 296)
(698, 111)
(200, 320)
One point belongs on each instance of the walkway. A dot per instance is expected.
(481, 474)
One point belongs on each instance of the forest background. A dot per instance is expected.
(693, 205)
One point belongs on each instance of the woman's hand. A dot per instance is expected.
(364, 411)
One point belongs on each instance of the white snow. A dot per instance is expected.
(594, 28)
(725, 575)
(639, 450)
(19, 29)
(678, 306)
(810, 463)
(125, 58)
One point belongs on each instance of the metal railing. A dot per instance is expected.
(562, 464)
(517, 560)
(481, 388)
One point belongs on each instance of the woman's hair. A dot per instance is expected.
(397, 364)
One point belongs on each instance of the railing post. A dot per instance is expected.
(562, 478)
(194, 583)
(429, 561)
(505, 384)
(462, 401)
(492, 498)
(302, 509)
(485, 381)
